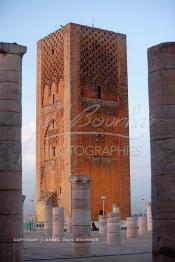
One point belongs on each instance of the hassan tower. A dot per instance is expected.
(82, 117)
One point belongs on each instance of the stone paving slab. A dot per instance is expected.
(134, 250)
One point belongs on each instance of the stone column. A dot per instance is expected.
(142, 224)
(58, 222)
(69, 224)
(10, 151)
(48, 217)
(115, 208)
(102, 225)
(113, 228)
(149, 216)
(81, 215)
(131, 227)
(161, 70)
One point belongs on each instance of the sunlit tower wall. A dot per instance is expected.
(82, 117)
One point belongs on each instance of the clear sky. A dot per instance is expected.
(145, 22)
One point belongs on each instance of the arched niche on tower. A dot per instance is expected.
(50, 95)
(51, 141)
(45, 95)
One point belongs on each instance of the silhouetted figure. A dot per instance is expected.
(93, 227)
(101, 212)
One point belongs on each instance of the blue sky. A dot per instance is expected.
(145, 22)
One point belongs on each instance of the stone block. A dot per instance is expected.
(10, 133)
(81, 230)
(11, 251)
(13, 227)
(10, 180)
(10, 91)
(10, 76)
(163, 157)
(81, 217)
(163, 240)
(80, 186)
(113, 217)
(12, 48)
(10, 156)
(81, 194)
(10, 118)
(10, 202)
(80, 204)
(114, 239)
(10, 106)
(81, 249)
(162, 127)
(9, 62)
(163, 197)
(161, 57)
(113, 227)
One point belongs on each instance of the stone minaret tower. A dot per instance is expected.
(82, 117)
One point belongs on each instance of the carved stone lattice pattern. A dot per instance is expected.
(99, 56)
(52, 60)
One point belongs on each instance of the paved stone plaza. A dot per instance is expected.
(135, 250)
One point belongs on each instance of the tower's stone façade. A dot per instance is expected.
(82, 117)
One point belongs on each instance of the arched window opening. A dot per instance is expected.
(53, 151)
(99, 92)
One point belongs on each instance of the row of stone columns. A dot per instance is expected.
(136, 226)
(80, 222)
(143, 224)
(110, 226)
